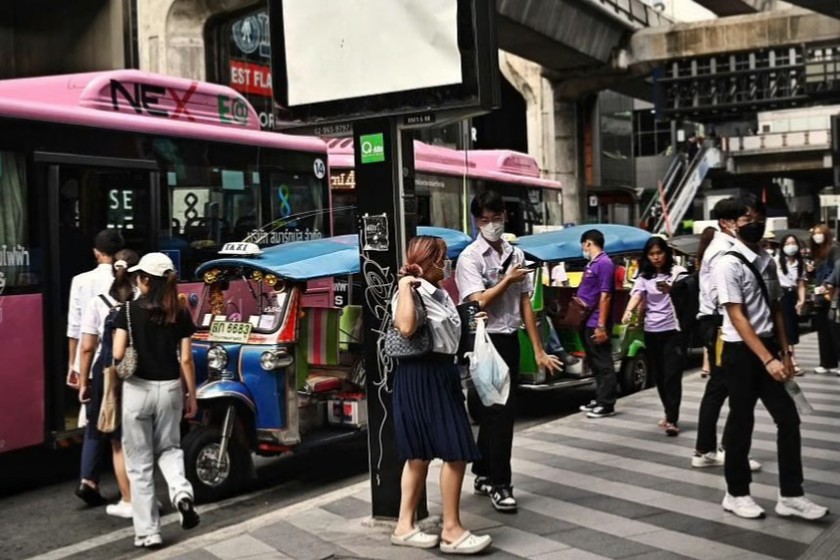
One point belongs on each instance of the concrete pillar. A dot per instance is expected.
(553, 129)
(171, 34)
(567, 157)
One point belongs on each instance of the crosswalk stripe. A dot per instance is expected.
(710, 479)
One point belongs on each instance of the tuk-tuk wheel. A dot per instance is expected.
(635, 374)
(211, 480)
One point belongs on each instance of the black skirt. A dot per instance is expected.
(430, 416)
(789, 299)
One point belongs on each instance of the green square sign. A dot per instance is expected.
(373, 148)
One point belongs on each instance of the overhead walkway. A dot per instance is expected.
(779, 153)
(563, 35)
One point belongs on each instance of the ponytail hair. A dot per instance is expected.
(421, 255)
(122, 289)
(162, 299)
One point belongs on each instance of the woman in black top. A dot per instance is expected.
(153, 398)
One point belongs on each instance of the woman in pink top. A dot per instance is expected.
(664, 343)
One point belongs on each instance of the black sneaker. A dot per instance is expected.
(502, 498)
(567, 359)
(601, 412)
(589, 407)
(90, 495)
(482, 486)
(189, 517)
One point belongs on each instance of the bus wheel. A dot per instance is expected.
(212, 479)
(635, 374)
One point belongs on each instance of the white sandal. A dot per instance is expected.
(415, 539)
(467, 543)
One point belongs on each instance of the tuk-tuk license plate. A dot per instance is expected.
(230, 331)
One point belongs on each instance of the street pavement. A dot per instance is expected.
(587, 490)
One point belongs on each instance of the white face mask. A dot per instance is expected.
(493, 232)
(818, 238)
(587, 254)
(791, 250)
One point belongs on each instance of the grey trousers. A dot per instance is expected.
(151, 433)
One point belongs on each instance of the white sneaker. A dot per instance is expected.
(800, 506)
(149, 541)
(742, 506)
(120, 509)
(710, 459)
(820, 369)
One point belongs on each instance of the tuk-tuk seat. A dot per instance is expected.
(320, 336)
(351, 327)
(319, 384)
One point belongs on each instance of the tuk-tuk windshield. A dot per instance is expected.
(243, 298)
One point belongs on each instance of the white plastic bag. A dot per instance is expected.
(489, 372)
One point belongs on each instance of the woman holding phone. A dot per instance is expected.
(664, 342)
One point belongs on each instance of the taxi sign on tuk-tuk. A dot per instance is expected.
(242, 249)
(230, 331)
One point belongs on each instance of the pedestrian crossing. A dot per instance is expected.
(600, 489)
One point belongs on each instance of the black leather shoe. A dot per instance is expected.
(189, 517)
(90, 495)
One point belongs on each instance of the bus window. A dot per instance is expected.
(19, 270)
(298, 206)
(445, 199)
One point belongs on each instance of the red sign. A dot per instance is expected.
(246, 77)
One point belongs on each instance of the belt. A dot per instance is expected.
(769, 342)
(512, 334)
(435, 357)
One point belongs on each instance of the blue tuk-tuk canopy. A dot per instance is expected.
(319, 258)
(564, 245)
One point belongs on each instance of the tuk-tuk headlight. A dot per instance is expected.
(217, 358)
(275, 359)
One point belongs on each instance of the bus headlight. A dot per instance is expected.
(275, 359)
(217, 358)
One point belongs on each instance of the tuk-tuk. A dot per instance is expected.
(278, 355)
(624, 245)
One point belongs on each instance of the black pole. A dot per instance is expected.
(385, 197)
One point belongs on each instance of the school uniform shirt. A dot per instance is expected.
(480, 268)
(82, 289)
(793, 276)
(93, 321)
(660, 315)
(737, 284)
(708, 292)
(442, 317)
(598, 278)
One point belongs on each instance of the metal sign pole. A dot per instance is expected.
(384, 157)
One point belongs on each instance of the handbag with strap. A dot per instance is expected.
(128, 365)
(414, 346)
(109, 411)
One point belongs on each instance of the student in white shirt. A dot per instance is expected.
(83, 288)
(792, 275)
(756, 365)
(96, 350)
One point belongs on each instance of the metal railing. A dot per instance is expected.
(671, 177)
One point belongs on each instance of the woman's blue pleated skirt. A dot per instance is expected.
(430, 417)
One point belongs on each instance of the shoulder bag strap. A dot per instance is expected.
(106, 300)
(128, 321)
(764, 291)
(422, 303)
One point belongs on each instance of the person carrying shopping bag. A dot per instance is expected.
(96, 327)
(430, 418)
(664, 340)
(158, 329)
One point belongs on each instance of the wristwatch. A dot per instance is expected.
(600, 328)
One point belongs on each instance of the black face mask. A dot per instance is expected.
(752, 233)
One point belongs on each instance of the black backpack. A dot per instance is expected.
(685, 294)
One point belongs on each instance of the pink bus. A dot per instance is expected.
(178, 165)
(447, 180)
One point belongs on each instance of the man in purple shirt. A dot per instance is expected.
(596, 290)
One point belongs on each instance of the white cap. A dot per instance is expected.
(156, 264)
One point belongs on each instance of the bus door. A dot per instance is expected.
(85, 196)
(515, 217)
